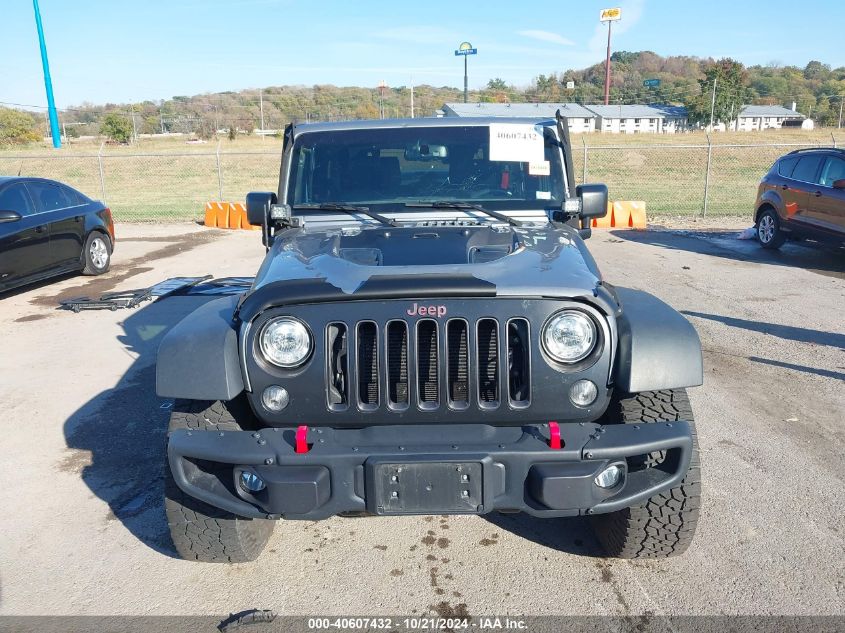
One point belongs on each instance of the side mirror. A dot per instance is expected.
(258, 205)
(9, 216)
(839, 184)
(593, 200)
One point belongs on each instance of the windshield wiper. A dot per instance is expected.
(448, 204)
(347, 208)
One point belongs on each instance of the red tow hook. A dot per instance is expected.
(554, 436)
(301, 439)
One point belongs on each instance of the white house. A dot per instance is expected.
(764, 117)
(580, 118)
(639, 119)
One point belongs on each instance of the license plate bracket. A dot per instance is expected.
(427, 487)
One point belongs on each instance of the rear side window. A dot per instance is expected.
(807, 168)
(14, 198)
(73, 195)
(49, 197)
(786, 165)
(833, 170)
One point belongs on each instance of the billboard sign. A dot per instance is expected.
(610, 15)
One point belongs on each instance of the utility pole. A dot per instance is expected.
(134, 128)
(839, 127)
(412, 100)
(713, 104)
(261, 101)
(48, 82)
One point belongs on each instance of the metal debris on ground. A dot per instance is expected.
(244, 618)
(132, 298)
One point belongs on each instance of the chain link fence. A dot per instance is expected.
(672, 179)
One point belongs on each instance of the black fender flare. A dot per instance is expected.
(658, 347)
(198, 358)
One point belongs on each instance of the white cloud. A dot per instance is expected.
(546, 36)
(632, 11)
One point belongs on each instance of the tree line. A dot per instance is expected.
(816, 89)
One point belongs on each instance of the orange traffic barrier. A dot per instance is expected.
(607, 221)
(238, 210)
(210, 214)
(629, 214)
(234, 219)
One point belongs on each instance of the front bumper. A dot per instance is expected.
(428, 469)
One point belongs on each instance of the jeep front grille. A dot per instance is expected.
(427, 363)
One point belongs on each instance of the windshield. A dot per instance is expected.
(501, 166)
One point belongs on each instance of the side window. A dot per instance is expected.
(807, 168)
(15, 198)
(74, 197)
(786, 165)
(48, 197)
(833, 170)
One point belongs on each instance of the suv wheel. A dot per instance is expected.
(663, 525)
(769, 233)
(200, 531)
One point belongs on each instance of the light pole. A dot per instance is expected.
(609, 16)
(48, 83)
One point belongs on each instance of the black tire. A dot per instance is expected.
(769, 233)
(199, 531)
(664, 525)
(96, 255)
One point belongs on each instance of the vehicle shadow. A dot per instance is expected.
(822, 258)
(787, 332)
(571, 535)
(117, 440)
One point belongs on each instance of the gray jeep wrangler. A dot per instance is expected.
(428, 334)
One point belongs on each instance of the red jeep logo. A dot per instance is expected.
(418, 310)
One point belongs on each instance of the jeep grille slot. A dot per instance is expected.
(337, 369)
(519, 368)
(427, 363)
(457, 345)
(368, 388)
(397, 364)
(488, 363)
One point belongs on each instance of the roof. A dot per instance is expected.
(374, 124)
(638, 111)
(5, 179)
(519, 110)
(768, 110)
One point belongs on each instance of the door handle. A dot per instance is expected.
(784, 187)
(40, 229)
(78, 218)
(818, 194)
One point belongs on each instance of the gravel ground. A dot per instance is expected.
(83, 435)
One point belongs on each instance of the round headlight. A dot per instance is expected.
(285, 342)
(570, 336)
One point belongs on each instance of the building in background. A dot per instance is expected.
(580, 118)
(640, 119)
(765, 117)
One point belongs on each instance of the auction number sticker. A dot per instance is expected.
(516, 142)
(543, 168)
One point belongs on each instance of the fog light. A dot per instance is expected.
(583, 393)
(610, 476)
(275, 398)
(251, 482)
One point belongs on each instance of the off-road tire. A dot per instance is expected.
(664, 525)
(199, 531)
(90, 265)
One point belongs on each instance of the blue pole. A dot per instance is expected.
(48, 83)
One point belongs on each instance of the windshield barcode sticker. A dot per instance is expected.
(544, 195)
(516, 142)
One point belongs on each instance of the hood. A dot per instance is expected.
(423, 260)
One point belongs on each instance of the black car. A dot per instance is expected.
(48, 228)
(803, 195)
(428, 334)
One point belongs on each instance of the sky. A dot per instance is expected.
(116, 51)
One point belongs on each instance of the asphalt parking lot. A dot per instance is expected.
(83, 436)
